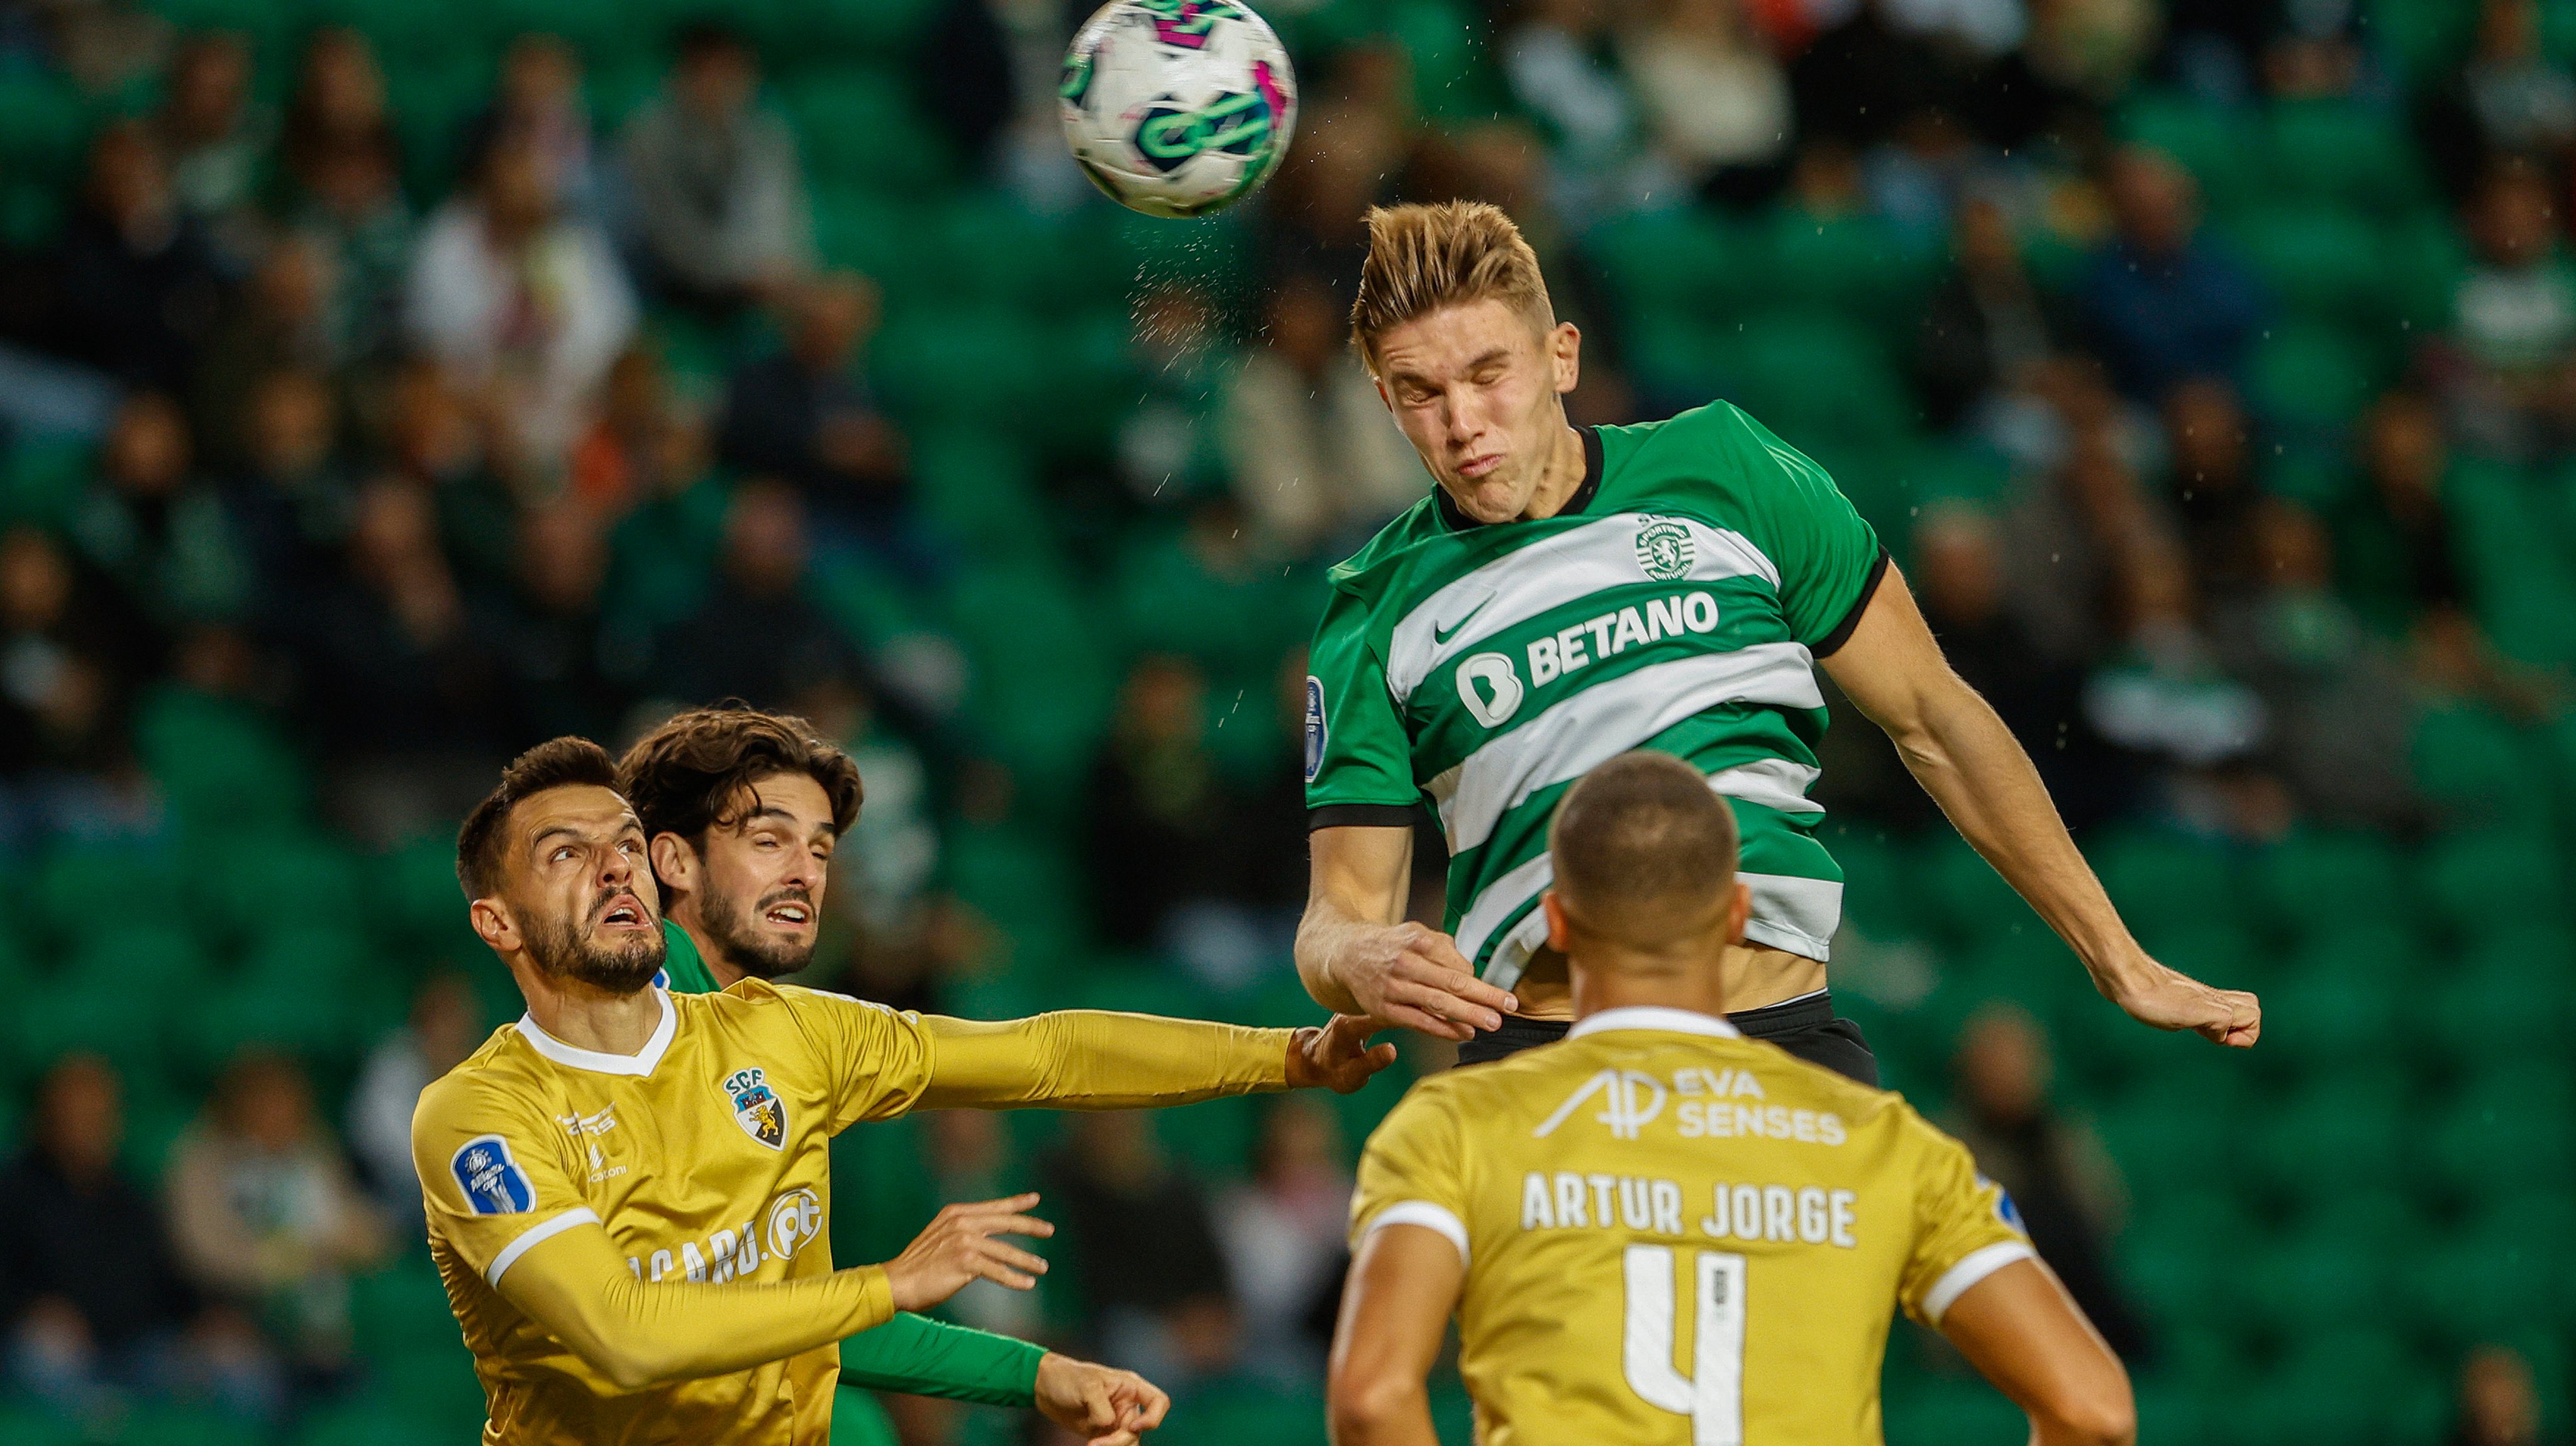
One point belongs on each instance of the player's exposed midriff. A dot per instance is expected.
(1754, 977)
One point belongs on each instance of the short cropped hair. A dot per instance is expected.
(557, 763)
(692, 773)
(1422, 259)
(1642, 844)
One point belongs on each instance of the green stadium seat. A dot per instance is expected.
(43, 124)
(433, 1384)
(1964, 895)
(1683, 262)
(2332, 1265)
(2162, 881)
(2325, 262)
(2506, 533)
(23, 1423)
(371, 1421)
(2342, 151)
(2505, 1128)
(2492, 879)
(1246, 1414)
(2479, 769)
(2357, 1383)
(417, 904)
(402, 1307)
(2168, 1132)
(2323, 1022)
(873, 232)
(962, 366)
(2337, 1133)
(1021, 880)
(859, 125)
(1855, 265)
(980, 489)
(2425, 37)
(1878, 897)
(2314, 880)
(2478, 1283)
(1169, 600)
(2208, 140)
(81, 887)
(221, 765)
(1952, 1411)
(2312, 379)
(149, 959)
(1810, 375)
(41, 481)
(244, 884)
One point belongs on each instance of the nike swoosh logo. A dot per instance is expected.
(1440, 636)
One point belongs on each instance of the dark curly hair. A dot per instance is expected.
(556, 763)
(696, 771)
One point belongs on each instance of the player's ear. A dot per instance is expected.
(674, 862)
(1738, 909)
(1560, 934)
(1565, 355)
(493, 921)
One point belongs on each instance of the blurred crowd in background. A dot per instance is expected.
(386, 388)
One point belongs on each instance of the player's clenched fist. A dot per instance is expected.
(958, 1247)
(1337, 1056)
(1102, 1406)
(1414, 976)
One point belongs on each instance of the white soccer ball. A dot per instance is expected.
(1177, 107)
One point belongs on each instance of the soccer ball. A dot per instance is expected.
(1177, 107)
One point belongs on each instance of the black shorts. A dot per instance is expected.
(1805, 1027)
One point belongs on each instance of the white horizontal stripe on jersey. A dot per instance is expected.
(1607, 719)
(1429, 1217)
(1797, 914)
(1774, 783)
(1564, 568)
(1794, 913)
(1974, 1267)
(1500, 900)
(533, 1235)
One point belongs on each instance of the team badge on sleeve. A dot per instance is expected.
(757, 1107)
(1314, 726)
(492, 1181)
(2005, 1210)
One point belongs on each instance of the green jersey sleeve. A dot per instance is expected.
(926, 1357)
(1356, 750)
(1829, 558)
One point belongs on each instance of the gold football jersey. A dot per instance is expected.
(706, 1158)
(1677, 1235)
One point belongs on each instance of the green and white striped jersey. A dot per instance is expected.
(1678, 602)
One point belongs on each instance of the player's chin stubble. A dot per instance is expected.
(735, 930)
(564, 954)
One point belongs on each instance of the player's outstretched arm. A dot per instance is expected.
(1358, 955)
(2020, 1328)
(1095, 1060)
(1403, 1285)
(1970, 763)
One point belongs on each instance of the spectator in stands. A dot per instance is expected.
(2211, 483)
(566, 662)
(341, 189)
(1556, 64)
(2513, 312)
(282, 319)
(616, 463)
(1958, 575)
(2073, 536)
(1869, 73)
(290, 503)
(1160, 816)
(2338, 699)
(72, 653)
(446, 1026)
(971, 1159)
(1988, 323)
(1312, 461)
(2163, 300)
(140, 284)
(759, 594)
(2069, 1192)
(805, 415)
(157, 527)
(216, 139)
(1282, 1231)
(266, 1218)
(522, 304)
(1714, 97)
(93, 1306)
(2161, 693)
(2509, 99)
(719, 192)
(2498, 1403)
(1144, 1249)
(1175, 348)
(538, 104)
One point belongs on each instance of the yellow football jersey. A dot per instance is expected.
(706, 1158)
(1677, 1235)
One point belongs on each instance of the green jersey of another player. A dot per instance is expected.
(1566, 595)
(741, 813)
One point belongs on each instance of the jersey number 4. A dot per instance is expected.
(1712, 1395)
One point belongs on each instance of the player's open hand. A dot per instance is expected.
(1337, 1056)
(1414, 977)
(1102, 1406)
(958, 1247)
(2170, 999)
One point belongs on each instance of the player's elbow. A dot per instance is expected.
(2104, 1414)
(1364, 1401)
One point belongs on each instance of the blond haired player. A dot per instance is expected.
(1566, 594)
(629, 1190)
(1661, 1233)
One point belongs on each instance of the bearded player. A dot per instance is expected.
(629, 1190)
(742, 811)
(1567, 594)
(1659, 1232)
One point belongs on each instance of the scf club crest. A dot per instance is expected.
(757, 1107)
(1664, 548)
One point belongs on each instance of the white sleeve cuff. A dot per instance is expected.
(1429, 1217)
(1975, 1267)
(510, 1253)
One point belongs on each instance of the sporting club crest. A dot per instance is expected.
(757, 1107)
(1664, 548)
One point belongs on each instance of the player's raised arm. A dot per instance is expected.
(1358, 955)
(1964, 756)
(2019, 1327)
(1095, 1060)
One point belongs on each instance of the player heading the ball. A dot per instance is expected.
(1662, 1233)
(629, 1190)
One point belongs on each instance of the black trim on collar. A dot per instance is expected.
(1361, 815)
(1831, 643)
(1457, 521)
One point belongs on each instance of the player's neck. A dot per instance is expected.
(1562, 477)
(1601, 985)
(586, 1016)
(720, 967)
